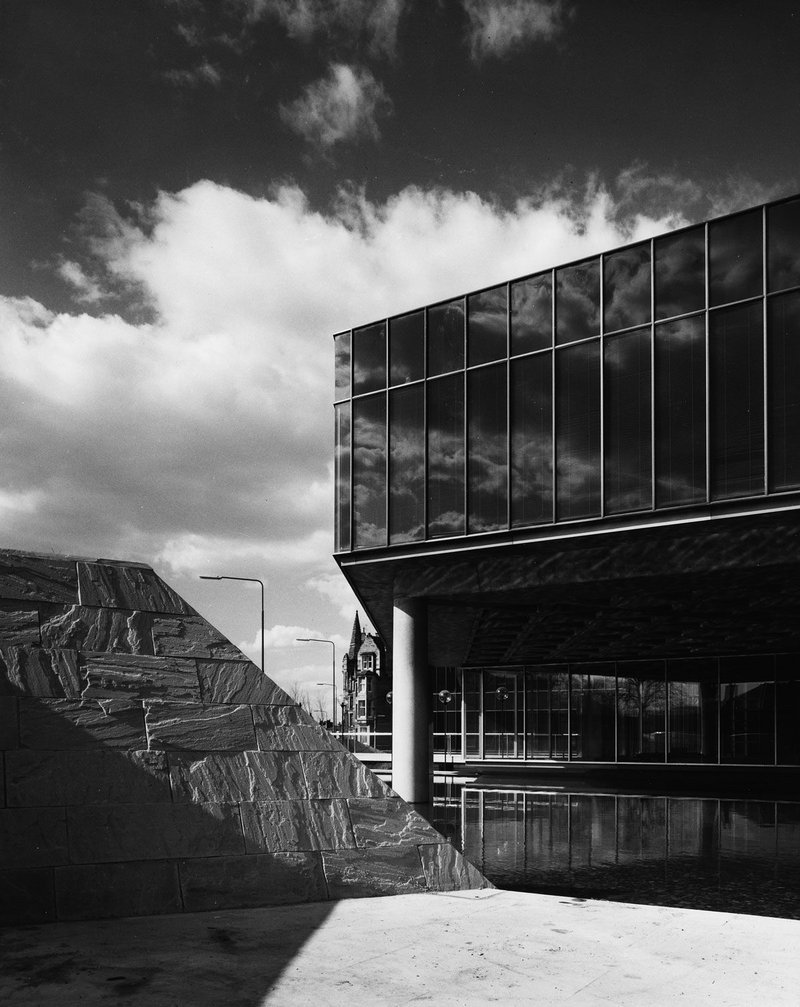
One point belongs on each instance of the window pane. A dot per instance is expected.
(547, 703)
(626, 288)
(626, 376)
(737, 401)
(369, 358)
(747, 709)
(369, 472)
(342, 476)
(531, 440)
(486, 326)
(592, 723)
(446, 456)
(446, 337)
(578, 431)
(787, 668)
(783, 245)
(734, 258)
(406, 348)
(532, 314)
(693, 710)
(680, 273)
(406, 464)
(680, 411)
(783, 383)
(487, 495)
(341, 345)
(578, 302)
(641, 709)
(500, 720)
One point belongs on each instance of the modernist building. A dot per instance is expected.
(573, 501)
(367, 682)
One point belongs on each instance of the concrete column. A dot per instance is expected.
(411, 702)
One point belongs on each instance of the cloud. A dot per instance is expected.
(499, 27)
(85, 289)
(345, 105)
(204, 73)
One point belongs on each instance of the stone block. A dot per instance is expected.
(45, 779)
(307, 737)
(19, 624)
(140, 677)
(447, 870)
(107, 833)
(239, 682)
(192, 637)
(267, 879)
(33, 837)
(97, 891)
(9, 723)
(235, 777)
(38, 578)
(77, 627)
(35, 671)
(387, 870)
(337, 774)
(388, 821)
(217, 728)
(26, 896)
(288, 826)
(59, 724)
(129, 586)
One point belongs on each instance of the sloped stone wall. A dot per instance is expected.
(148, 766)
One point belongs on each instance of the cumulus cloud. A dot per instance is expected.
(203, 73)
(498, 27)
(344, 105)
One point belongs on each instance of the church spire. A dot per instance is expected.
(355, 638)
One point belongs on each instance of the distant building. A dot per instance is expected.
(366, 713)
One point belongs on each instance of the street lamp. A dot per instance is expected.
(250, 580)
(317, 639)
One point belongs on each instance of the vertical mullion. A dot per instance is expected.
(652, 375)
(553, 508)
(425, 487)
(508, 406)
(708, 368)
(765, 357)
(351, 508)
(602, 341)
(465, 425)
(387, 448)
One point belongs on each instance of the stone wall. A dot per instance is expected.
(147, 766)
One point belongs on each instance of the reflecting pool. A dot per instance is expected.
(700, 853)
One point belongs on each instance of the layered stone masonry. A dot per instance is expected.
(147, 766)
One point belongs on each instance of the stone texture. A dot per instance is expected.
(260, 880)
(446, 870)
(96, 629)
(37, 578)
(192, 637)
(98, 891)
(305, 737)
(337, 774)
(200, 728)
(34, 671)
(275, 826)
(19, 624)
(37, 778)
(9, 719)
(26, 896)
(33, 837)
(116, 585)
(388, 821)
(388, 870)
(140, 677)
(59, 724)
(106, 833)
(238, 682)
(240, 776)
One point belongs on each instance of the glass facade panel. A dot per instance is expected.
(578, 301)
(641, 711)
(693, 710)
(502, 695)
(487, 325)
(626, 403)
(546, 710)
(734, 258)
(407, 348)
(447, 711)
(626, 288)
(342, 476)
(680, 411)
(446, 337)
(578, 431)
(532, 314)
(592, 705)
(787, 675)
(341, 349)
(679, 273)
(736, 365)
(406, 464)
(369, 472)
(783, 245)
(445, 491)
(531, 440)
(747, 709)
(783, 391)
(472, 713)
(487, 468)
(369, 358)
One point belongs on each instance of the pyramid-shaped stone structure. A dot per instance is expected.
(149, 767)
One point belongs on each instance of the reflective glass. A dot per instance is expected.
(737, 401)
(546, 709)
(641, 706)
(487, 468)
(578, 301)
(626, 403)
(593, 700)
(734, 258)
(502, 695)
(407, 348)
(341, 346)
(532, 314)
(406, 464)
(679, 272)
(472, 712)
(369, 358)
(626, 288)
(578, 431)
(783, 391)
(369, 472)
(446, 337)
(787, 674)
(747, 709)
(680, 411)
(783, 245)
(487, 323)
(446, 456)
(693, 710)
(342, 476)
(531, 440)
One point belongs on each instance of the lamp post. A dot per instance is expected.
(317, 639)
(250, 580)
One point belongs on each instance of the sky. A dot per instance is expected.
(196, 194)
